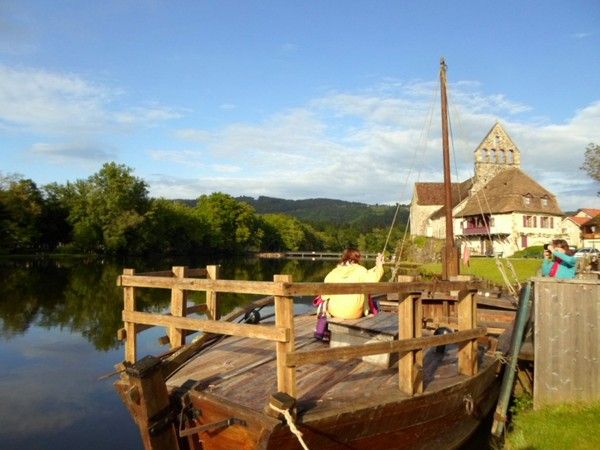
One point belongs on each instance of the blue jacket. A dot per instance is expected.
(566, 265)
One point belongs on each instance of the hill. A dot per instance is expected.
(322, 211)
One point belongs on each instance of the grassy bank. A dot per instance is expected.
(487, 269)
(573, 427)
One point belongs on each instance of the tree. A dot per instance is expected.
(21, 207)
(289, 234)
(591, 162)
(107, 209)
(234, 226)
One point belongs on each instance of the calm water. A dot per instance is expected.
(58, 324)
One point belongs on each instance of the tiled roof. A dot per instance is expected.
(507, 192)
(578, 220)
(590, 211)
(431, 194)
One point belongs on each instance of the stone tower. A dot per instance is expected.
(496, 152)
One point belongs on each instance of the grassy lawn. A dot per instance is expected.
(573, 427)
(487, 269)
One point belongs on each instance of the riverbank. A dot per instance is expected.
(566, 426)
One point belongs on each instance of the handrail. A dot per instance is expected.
(300, 358)
(410, 296)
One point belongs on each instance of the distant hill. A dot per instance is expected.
(323, 211)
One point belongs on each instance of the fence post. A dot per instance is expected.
(284, 318)
(212, 306)
(178, 308)
(467, 351)
(130, 332)
(408, 379)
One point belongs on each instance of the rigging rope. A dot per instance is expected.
(510, 286)
(290, 421)
(422, 145)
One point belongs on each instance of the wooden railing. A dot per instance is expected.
(410, 346)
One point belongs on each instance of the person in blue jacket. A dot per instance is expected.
(559, 261)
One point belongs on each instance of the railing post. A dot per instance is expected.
(130, 332)
(178, 308)
(467, 316)
(410, 377)
(284, 318)
(212, 306)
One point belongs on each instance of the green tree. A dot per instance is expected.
(107, 209)
(289, 233)
(21, 207)
(172, 227)
(234, 226)
(591, 162)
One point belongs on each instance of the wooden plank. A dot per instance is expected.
(467, 351)
(178, 302)
(196, 309)
(212, 272)
(130, 332)
(406, 330)
(292, 289)
(357, 351)
(284, 318)
(567, 332)
(418, 355)
(149, 386)
(266, 332)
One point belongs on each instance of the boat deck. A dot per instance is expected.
(243, 371)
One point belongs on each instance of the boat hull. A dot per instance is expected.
(444, 419)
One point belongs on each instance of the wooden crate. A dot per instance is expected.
(380, 328)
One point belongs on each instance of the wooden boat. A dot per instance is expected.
(388, 381)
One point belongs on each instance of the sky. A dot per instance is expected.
(296, 99)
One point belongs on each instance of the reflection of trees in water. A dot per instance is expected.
(82, 295)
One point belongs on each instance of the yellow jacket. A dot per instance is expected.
(350, 306)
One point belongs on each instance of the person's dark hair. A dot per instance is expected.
(350, 255)
(564, 245)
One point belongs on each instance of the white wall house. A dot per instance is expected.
(499, 211)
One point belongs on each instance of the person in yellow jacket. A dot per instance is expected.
(351, 306)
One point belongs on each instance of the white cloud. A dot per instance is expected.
(35, 100)
(372, 146)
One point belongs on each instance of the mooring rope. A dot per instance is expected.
(290, 421)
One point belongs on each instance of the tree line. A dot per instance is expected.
(111, 213)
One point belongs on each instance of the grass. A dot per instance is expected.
(568, 426)
(487, 269)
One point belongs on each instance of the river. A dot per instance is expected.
(58, 325)
(58, 337)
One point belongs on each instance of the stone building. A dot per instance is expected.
(499, 211)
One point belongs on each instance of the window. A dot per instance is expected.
(527, 199)
(530, 221)
(544, 222)
(544, 201)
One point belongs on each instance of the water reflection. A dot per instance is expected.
(82, 296)
(58, 324)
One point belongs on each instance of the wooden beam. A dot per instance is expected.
(467, 351)
(286, 289)
(178, 308)
(284, 319)
(149, 389)
(212, 306)
(129, 306)
(357, 351)
(267, 332)
(406, 330)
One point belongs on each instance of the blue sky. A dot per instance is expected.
(296, 99)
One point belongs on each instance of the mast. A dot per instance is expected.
(450, 264)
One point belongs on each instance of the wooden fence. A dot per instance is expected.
(566, 341)
(411, 297)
